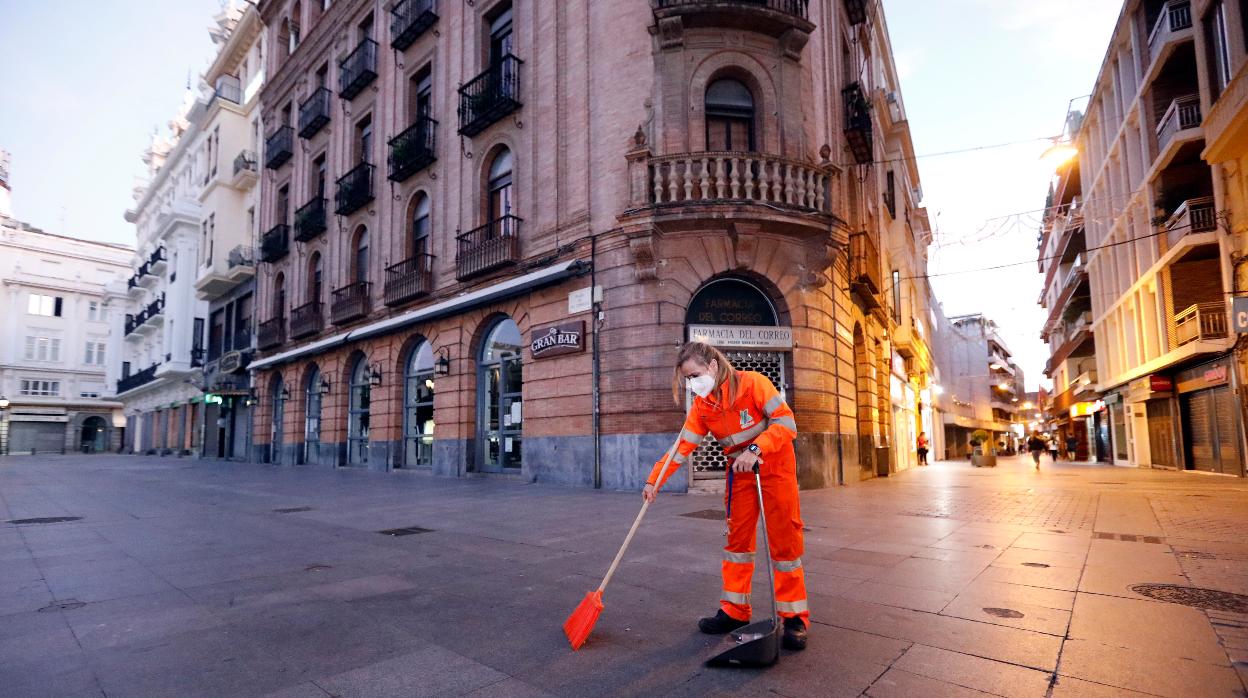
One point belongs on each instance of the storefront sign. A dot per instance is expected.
(730, 302)
(555, 340)
(230, 362)
(1239, 313)
(1084, 409)
(742, 336)
(1160, 384)
(1216, 375)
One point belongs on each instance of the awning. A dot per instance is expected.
(504, 289)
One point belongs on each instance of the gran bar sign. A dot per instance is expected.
(743, 336)
(555, 340)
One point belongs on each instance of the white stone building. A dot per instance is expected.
(158, 370)
(54, 339)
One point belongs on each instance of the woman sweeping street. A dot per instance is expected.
(744, 412)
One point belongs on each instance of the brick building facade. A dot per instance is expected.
(446, 183)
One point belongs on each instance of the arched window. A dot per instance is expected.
(315, 270)
(276, 394)
(358, 413)
(418, 407)
(359, 256)
(296, 13)
(500, 193)
(312, 416)
(500, 413)
(729, 116)
(279, 295)
(419, 240)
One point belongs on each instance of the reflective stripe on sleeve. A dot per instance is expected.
(786, 421)
(691, 437)
(739, 558)
(743, 436)
(788, 565)
(734, 597)
(792, 606)
(773, 405)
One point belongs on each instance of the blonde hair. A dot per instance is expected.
(705, 354)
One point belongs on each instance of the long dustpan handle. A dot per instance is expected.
(667, 460)
(762, 516)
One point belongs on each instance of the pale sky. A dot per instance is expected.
(85, 83)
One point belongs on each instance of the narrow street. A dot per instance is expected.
(189, 578)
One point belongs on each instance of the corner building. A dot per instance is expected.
(489, 227)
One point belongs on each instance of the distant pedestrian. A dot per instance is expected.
(1072, 447)
(920, 445)
(1053, 447)
(1035, 446)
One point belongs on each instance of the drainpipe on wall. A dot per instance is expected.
(595, 320)
(836, 356)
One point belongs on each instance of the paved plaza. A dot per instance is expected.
(189, 578)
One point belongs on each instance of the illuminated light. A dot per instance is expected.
(1059, 154)
(937, 390)
(1003, 386)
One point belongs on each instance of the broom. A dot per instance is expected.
(578, 625)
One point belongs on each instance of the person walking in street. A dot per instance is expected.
(1053, 447)
(1072, 447)
(749, 419)
(1035, 446)
(920, 445)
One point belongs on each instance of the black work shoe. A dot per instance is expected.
(720, 623)
(794, 634)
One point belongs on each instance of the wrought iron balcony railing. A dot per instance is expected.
(275, 243)
(864, 268)
(271, 333)
(411, 278)
(1182, 114)
(314, 113)
(134, 380)
(307, 320)
(1200, 321)
(245, 161)
(358, 69)
(355, 189)
(490, 96)
(351, 302)
(797, 8)
(279, 147)
(409, 20)
(858, 129)
(412, 150)
(492, 246)
(1191, 217)
(310, 219)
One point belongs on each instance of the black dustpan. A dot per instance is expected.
(757, 644)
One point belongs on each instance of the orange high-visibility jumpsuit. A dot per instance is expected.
(758, 415)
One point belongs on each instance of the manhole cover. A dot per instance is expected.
(410, 530)
(291, 510)
(709, 514)
(45, 519)
(1003, 612)
(68, 605)
(317, 568)
(1208, 599)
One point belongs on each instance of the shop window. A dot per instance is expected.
(500, 411)
(358, 413)
(418, 390)
(729, 116)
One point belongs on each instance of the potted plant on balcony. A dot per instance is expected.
(983, 455)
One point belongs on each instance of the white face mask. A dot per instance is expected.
(702, 385)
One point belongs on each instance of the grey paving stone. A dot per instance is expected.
(429, 671)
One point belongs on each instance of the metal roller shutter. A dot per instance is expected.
(39, 437)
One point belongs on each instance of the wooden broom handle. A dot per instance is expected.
(667, 460)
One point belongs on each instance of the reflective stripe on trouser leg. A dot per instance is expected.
(791, 593)
(737, 570)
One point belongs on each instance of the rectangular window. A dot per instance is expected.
(89, 394)
(896, 293)
(890, 194)
(46, 306)
(40, 388)
(242, 323)
(420, 95)
(93, 311)
(364, 139)
(283, 204)
(1219, 55)
(94, 353)
(197, 341)
(318, 176)
(125, 369)
(216, 334)
(366, 28)
(43, 348)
